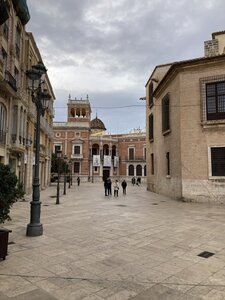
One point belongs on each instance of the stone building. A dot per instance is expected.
(18, 52)
(185, 113)
(94, 154)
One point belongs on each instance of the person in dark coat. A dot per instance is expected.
(109, 182)
(124, 186)
(78, 181)
(133, 180)
(106, 187)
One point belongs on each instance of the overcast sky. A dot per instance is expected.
(108, 49)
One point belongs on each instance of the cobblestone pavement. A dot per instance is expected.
(141, 246)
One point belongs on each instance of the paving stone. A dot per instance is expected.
(93, 248)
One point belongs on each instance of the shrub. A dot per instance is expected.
(10, 191)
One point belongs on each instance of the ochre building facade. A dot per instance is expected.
(185, 113)
(18, 53)
(95, 155)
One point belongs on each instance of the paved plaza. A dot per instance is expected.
(140, 246)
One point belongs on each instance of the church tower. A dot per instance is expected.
(78, 110)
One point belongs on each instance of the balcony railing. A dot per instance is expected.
(77, 156)
(135, 158)
(2, 137)
(11, 80)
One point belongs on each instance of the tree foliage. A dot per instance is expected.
(10, 191)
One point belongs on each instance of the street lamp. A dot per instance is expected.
(65, 174)
(40, 98)
(58, 154)
(69, 169)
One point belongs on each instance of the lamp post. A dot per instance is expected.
(69, 169)
(40, 98)
(65, 174)
(58, 154)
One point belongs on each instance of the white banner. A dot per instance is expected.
(96, 160)
(116, 161)
(107, 161)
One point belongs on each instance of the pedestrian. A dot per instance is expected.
(133, 181)
(139, 181)
(106, 187)
(109, 183)
(116, 188)
(124, 186)
(78, 181)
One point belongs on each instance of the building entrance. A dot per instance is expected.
(106, 173)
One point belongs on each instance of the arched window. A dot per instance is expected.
(113, 151)
(78, 112)
(95, 149)
(131, 170)
(145, 174)
(83, 112)
(139, 170)
(72, 112)
(106, 149)
(2, 123)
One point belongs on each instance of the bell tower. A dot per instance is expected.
(78, 110)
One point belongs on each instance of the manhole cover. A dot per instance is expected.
(121, 205)
(45, 205)
(52, 196)
(155, 203)
(11, 243)
(206, 254)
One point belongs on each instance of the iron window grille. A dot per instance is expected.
(151, 129)
(152, 163)
(215, 100)
(218, 161)
(165, 113)
(150, 94)
(168, 163)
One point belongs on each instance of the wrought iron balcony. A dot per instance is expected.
(10, 80)
(135, 158)
(77, 156)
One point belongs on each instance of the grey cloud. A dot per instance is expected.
(123, 38)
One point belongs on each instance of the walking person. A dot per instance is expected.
(78, 181)
(109, 182)
(133, 180)
(106, 187)
(124, 186)
(116, 188)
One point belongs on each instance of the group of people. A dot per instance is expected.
(108, 187)
(138, 181)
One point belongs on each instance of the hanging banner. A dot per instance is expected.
(96, 160)
(116, 161)
(107, 161)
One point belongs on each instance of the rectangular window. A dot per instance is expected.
(57, 148)
(165, 114)
(151, 133)
(218, 161)
(152, 163)
(168, 163)
(215, 100)
(18, 40)
(150, 94)
(131, 153)
(76, 149)
(77, 167)
(144, 153)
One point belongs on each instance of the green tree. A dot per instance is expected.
(10, 191)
